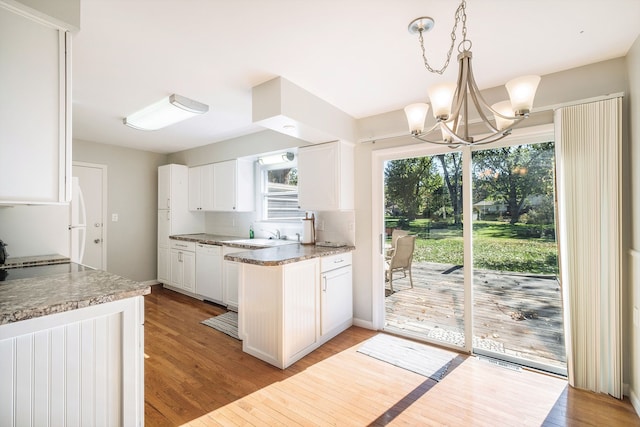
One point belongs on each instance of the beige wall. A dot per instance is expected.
(132, 193)
(632, 368)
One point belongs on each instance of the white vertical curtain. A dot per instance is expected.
(588, 165)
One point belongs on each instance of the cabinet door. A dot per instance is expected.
(177, 268)
(163, 265)
(224, 186)
(206, 187)
(35, 120)
(164, 228)
(195, 189)
(164, 186)
(318, 177)
(336, 299)
(189, 271)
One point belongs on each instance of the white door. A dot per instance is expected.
(91, 181)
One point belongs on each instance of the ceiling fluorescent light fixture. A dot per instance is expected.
(276, 158)
(450, 101)
(165, 112)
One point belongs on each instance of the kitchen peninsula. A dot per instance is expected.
(71, 346)
(293, 299)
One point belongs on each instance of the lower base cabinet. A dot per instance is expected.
(279, 320)
(289, 310)
(81, 367)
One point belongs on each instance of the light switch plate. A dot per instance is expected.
(114, 217)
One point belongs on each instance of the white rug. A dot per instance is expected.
(423, 359)
(227, 323)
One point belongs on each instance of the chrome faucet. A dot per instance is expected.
(276, 234)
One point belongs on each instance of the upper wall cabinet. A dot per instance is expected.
(325, 177)
(35, 116)
(201, 188)
(233, 186)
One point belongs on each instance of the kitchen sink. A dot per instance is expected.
(262, 242)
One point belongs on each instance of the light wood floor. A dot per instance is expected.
(198, 376)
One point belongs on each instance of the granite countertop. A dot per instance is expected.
(265, 251)
(209, 239)
(28, 261)
(23, 299)
(286, 254)
(236, 242)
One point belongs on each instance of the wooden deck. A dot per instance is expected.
(515, 314)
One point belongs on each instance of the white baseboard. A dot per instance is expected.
(367, 324)
(635, 401)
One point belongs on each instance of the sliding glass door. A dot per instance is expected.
(485, 264)
(424, 199)
(517, 312)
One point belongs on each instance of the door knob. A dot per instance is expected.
(97, 241)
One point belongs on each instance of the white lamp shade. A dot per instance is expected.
(165, 112)
(416, 115)
(504, 108)
(522, 90)
(441, 97)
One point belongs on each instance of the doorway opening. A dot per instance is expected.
(491, 286)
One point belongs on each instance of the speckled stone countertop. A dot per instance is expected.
(236, 242)
(264, 251)
(209, 239)
(23, 299)
(27, 261)
(285, 254)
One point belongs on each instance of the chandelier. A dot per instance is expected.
(450, 102)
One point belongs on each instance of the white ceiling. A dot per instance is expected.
(355, 54)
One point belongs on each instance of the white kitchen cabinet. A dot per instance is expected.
(233, 183)
(325, 177)
(280, 311)
(209, 272)
(336, 295)
(230, 280)
(183, 265)
(174, 216)
(35, 117)
(201, 188)
(83, 367)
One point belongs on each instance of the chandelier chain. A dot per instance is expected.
(460, 15)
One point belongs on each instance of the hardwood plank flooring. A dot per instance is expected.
(197, 376)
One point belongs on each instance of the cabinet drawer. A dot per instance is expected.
(181, 244)
(328, 263)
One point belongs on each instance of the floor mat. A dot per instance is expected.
(227, 323)
(431, 362)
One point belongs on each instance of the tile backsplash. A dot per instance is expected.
(330, 226)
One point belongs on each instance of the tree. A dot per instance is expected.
(452, 173)
(407, 183)
(512, 174)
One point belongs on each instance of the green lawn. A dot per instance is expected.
(497, 246)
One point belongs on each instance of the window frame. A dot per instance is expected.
(263, 171)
